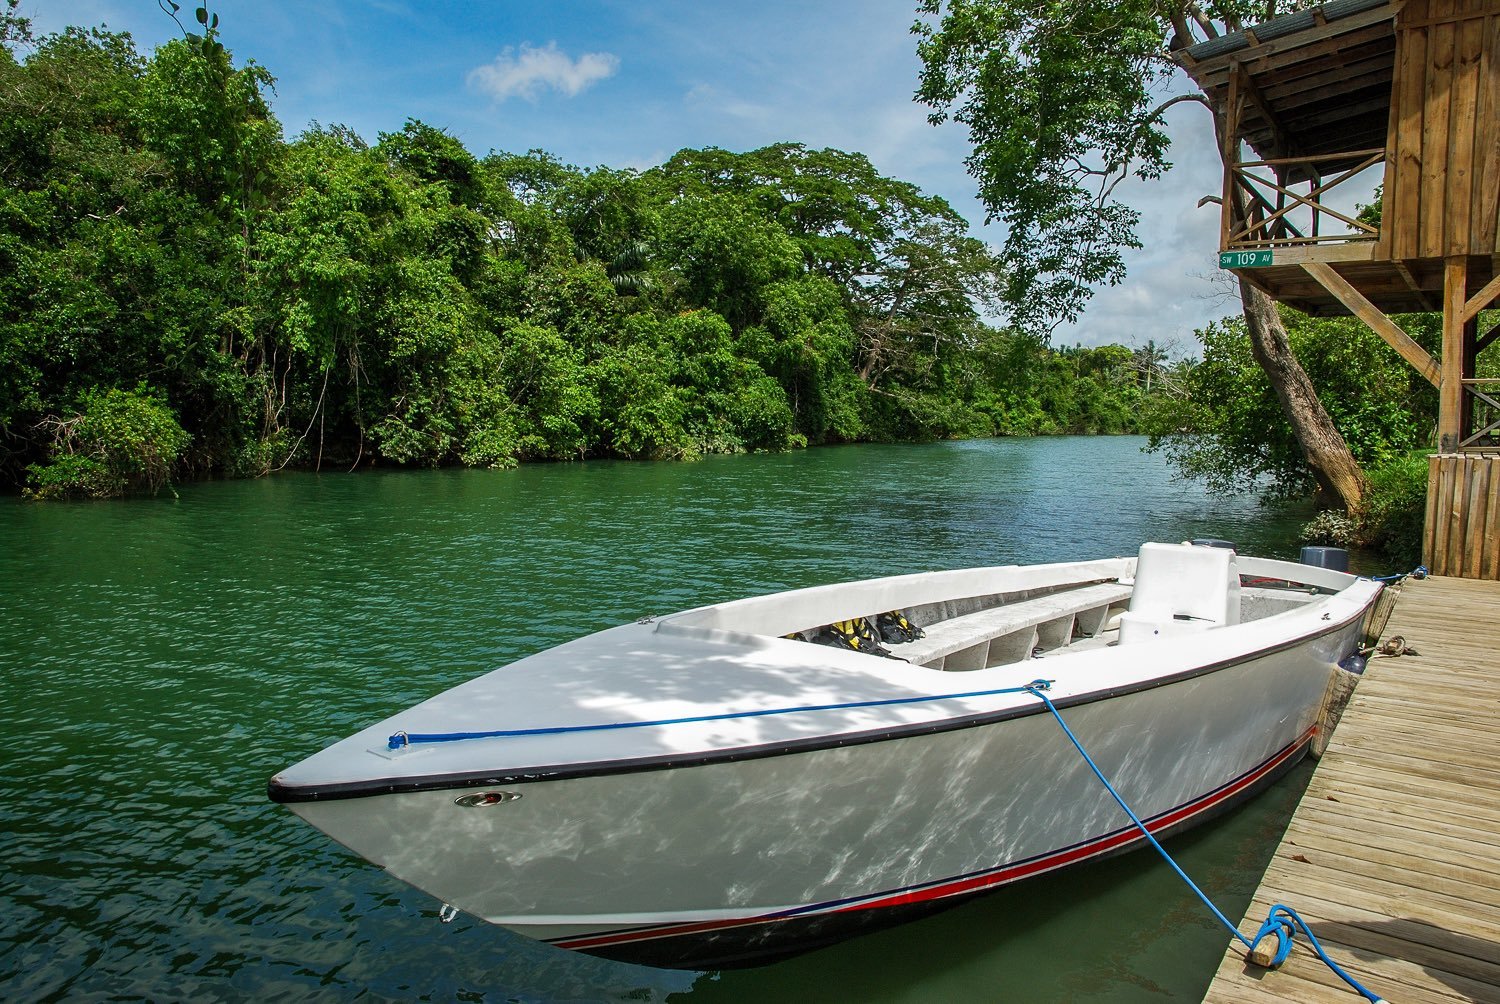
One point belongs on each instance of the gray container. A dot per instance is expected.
(1212, 542)
(1335, 558)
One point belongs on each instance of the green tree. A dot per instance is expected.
(119, 274)
(548, 382)
(1229, 431)
(183, 291)
(1064, 102)
(373, 340)
(727, 253)
(118, 441)
(911, 280)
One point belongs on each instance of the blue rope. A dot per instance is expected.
(1133, 817)
(1281, 920)
(1419, 573)
(403, 739)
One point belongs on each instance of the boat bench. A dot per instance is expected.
(1011, 632)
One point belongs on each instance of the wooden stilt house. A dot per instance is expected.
(1403, 93)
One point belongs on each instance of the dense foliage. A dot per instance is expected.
(182, 290)
(1058, 100)
(1063, 102)
(1227, 429)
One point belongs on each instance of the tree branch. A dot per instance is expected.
(1204, 22)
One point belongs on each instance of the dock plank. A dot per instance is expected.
(1393, 854)
(1435, 799)
(1396, 832)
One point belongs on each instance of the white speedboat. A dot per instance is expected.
(716, 787)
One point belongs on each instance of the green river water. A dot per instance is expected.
(162, 658)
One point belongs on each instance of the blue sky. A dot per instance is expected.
(627, 84)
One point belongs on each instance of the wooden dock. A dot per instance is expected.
(1393, 855)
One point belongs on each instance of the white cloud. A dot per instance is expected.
(522, 73)
(708, 100)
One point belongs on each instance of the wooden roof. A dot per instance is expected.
(1319, 80)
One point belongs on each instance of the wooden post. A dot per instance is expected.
(1263, 955)
(1430, 519)
(1404, 215)
(1229, 152)
(1451, 385)
(1466, 407)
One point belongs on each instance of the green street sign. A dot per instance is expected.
(1244, 259)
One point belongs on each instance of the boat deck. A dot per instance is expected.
(1393, 855)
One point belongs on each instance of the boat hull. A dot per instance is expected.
(761, 940)
(769, 851)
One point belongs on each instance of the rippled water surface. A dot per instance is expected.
(163, 658)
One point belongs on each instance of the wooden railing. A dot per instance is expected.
(1484, 414)
(1269, 202)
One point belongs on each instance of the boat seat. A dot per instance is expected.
(1009, 633)
(1181, 589)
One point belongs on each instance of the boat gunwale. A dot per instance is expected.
(283, 793)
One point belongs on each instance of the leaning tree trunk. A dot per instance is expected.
(1342, 483)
